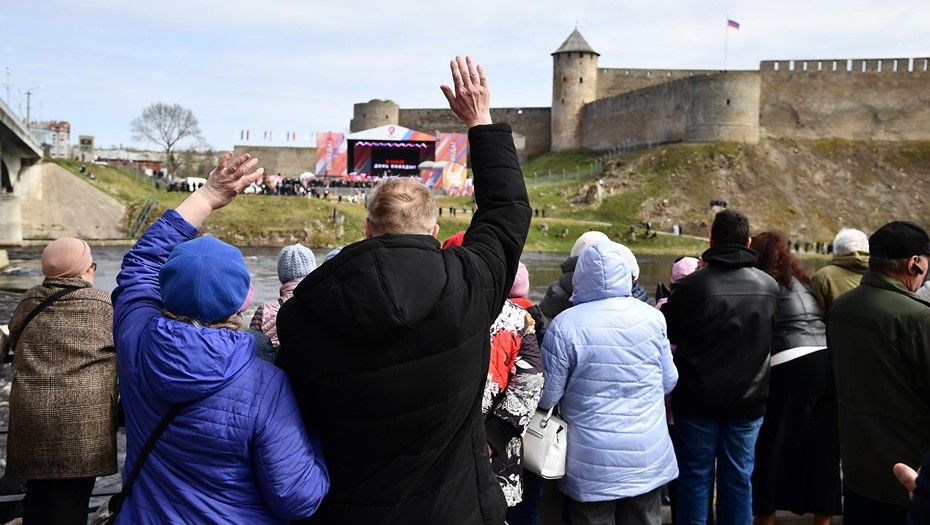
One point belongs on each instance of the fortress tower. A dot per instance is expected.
(574, 84)
(373, 114)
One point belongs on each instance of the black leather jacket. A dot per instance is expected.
(722, 318)
(800, 319)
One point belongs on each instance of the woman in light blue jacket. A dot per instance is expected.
(608, 365)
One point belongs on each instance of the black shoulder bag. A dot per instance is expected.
(106, 514)
(7, 357)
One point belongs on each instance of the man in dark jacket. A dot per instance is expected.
(879, 335)
(721, 317)
(387, 345)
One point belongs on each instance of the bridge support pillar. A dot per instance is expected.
(11, 223)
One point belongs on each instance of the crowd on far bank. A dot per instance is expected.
(402, 379)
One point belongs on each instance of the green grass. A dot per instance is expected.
(251, 220)
(569, 161)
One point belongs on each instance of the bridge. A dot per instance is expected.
(41, 201)
(18, 151)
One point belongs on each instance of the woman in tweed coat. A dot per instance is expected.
(63, 398)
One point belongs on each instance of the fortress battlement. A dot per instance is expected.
(848, 65)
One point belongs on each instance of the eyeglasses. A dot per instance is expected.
(93, 266)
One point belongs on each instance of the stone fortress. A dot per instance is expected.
(600, 109)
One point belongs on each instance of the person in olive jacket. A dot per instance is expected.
(879, 336)
(721, 317)
(387, 347)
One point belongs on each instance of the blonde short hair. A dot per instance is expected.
(401, 205)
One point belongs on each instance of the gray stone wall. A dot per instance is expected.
(532, 123)
(723, 107)
(858, 99)
(651, 115)
(289, 162)
(611, 82)
(691, 109)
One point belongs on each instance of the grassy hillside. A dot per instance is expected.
(807, 189)
(251, 220)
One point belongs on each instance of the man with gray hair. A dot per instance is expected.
(879, 336)
(850, 261)
(387, 347)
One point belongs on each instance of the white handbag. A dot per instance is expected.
(545, 444)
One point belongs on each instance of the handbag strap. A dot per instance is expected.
(35, 311)
(548, 416)
(117, 502)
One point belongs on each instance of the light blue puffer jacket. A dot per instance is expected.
(608, 364)
(239, 453)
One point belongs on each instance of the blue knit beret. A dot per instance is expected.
(204, 279)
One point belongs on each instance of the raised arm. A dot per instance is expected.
(499, 227)
(228, 179)
(137, 296)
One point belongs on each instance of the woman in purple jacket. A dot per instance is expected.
(237, 452)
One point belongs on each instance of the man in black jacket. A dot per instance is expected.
(721, 317)
(386, 344)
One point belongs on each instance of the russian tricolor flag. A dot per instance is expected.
(732, 23)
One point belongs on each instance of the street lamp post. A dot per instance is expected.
(7, 86)
(28, 98)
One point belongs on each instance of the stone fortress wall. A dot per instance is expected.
(859, 99)
(531, 125)
(288, 161)
(604, 108)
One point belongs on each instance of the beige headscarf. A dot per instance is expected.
(66, 257)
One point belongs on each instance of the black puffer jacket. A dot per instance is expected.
(386, 346)
(722, 317)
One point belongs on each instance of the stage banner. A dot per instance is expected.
(331, 153)
(452, 147)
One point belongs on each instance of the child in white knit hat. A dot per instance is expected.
(294, 263)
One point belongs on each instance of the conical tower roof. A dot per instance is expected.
(576, 43)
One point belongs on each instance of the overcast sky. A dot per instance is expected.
(299, 66)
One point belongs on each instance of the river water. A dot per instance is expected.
(25, 272)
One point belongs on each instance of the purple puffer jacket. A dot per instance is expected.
(265, 319)
(239, 453)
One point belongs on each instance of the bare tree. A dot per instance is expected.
(165, 125)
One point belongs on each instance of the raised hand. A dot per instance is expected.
(471, 98)
(229, 178)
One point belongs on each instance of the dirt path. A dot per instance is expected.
(60, 204)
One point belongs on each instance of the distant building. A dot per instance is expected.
(148, 162)
(84, 151)
(57, 135)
